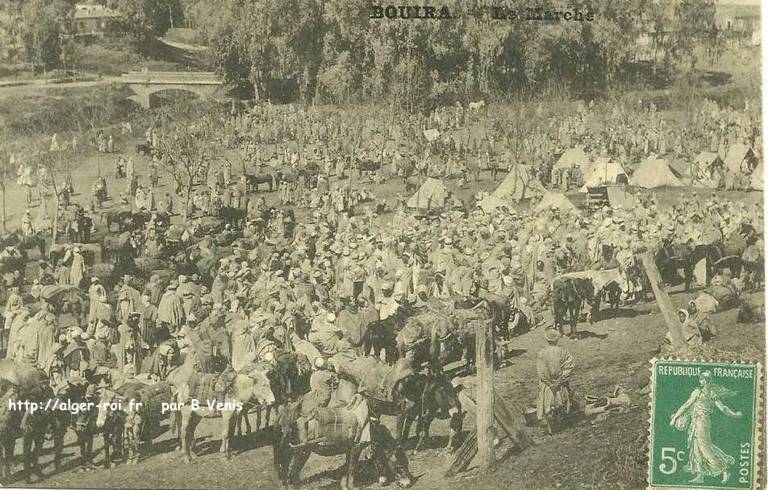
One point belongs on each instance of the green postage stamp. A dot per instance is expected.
(705, 428)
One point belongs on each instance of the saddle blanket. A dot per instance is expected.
(600, 279)
(338, 425)
(210, 386)
(374, 378)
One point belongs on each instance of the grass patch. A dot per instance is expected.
(111, 59)
(185, 35)
(15, 71)
(66, 110)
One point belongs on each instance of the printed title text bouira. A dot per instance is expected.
(496, 12)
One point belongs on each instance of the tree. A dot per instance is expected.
(71, 54)
(58, 165)
(146, 19)
(187, 152)
(335, 50)
(6, 175)
(43, 25)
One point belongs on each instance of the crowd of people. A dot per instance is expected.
(327, 257)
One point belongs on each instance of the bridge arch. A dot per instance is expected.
(147, 84)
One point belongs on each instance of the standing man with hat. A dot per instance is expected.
(129, 349)
(554, 366)
(170, 312)
(75, 356)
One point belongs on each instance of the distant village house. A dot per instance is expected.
(94, 20)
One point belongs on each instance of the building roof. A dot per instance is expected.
(87, 11)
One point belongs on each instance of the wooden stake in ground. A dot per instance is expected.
(664, 302)
(510, 420)
(485, 432)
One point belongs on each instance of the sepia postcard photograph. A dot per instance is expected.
(321, 244)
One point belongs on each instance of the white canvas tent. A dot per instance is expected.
(740, 159)
(655, 172)
(571, 158)
(707, 168)
(555, 199)
(431, 195)
(517, 185)
(602, 171)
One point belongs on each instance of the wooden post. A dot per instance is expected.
(510, 420)
(664, 302)
(485, 432)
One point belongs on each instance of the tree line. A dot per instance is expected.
(46, 27)
(334, 51)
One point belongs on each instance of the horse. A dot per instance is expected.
(82, 421)
(342, 430)
(568, 296)
(138, 406)
(116, 216)
(253, 388)
(729, 252)
(499, 307)
(232, 216)
(422, 336)
(672, 257)
(289, 380)
(17, 422)
(438, 400)
(111, 425)
(252, 182)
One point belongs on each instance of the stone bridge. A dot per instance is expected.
(146, 83)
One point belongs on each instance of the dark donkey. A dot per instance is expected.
(670, 258)
(28, 424)
(438, 400)
(345, 430)
(568, 297)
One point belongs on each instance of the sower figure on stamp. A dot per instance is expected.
(554, 366)
(695, 417)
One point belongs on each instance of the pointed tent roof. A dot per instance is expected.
(431, 195)
(555, 199)
(707, 159)
(603, 171)
(571, 157)
(736, 155)
(703, 165)
(518, 184)
(757, 177)
(655, 172)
